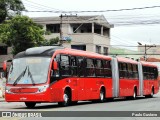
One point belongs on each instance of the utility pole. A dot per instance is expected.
(145, 52)
(61, 22)
(146, 47)
(60, 40)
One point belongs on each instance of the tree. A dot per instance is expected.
(21, 33)
(9, 8)
(51, 42)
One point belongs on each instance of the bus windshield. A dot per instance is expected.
(29, 70)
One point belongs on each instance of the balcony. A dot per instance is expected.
(84, 38)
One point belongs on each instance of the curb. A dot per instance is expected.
(2, 100)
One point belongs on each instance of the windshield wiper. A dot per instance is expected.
(30, 74)
(19, 77)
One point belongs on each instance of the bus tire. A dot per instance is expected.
(66, 98)
(30, 104)
(134, 94)
(102, 95)
(151, 95)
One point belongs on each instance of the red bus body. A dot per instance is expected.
(82, 87)
(149, 83)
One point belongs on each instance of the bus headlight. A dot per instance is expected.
(8, 90)
(42, 88)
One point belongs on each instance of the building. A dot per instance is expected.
(89, 33)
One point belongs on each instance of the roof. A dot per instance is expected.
(38, 51)
(126, 60)
(148, 64)
(99, 19)
(81, 53)
(47, 51)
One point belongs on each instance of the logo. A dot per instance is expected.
(6, 114)
(23, 98)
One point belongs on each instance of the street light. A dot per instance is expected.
(139, 43)
(145, 50)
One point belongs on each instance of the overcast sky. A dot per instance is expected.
(121, 34)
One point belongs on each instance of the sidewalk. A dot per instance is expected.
(2, 99)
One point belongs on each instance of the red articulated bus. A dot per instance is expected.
(57, 74)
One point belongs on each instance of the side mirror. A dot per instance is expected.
(55, 65)
(5, 66)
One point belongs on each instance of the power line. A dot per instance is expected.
(33, 6)
(130, 54)
(122, 40)
(116, 10)
(41, 5)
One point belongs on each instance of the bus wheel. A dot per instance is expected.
(151, 95)
(66, 98)
(102, 95)
(30, 104)
(134, 95)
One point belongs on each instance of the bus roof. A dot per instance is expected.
(39, 51)
(82, 53)
(49, 50)
(126, 60)
(149, 64)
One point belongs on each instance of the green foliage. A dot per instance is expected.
(9, 8)
(52, 41)
(21, 33)
(47, 32)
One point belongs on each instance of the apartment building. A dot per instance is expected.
(89, 33)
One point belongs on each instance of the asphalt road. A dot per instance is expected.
(140, 104)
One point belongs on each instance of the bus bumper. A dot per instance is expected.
(39, 97)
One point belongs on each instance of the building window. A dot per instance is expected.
(105, 50)
(79, 47)
(98, 49)
(53, 28)
(74, 30)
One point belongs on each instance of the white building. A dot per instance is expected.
(90, 33)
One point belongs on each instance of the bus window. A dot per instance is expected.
(99, 68)
(64, 65)
(155, 71)
(152, 73)
(135, 71)
(124, 65)
(107, 68)
(145, 72)
(73, 65)
(81, 66)
(122, 70)
(130, 70)
(90, 69)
